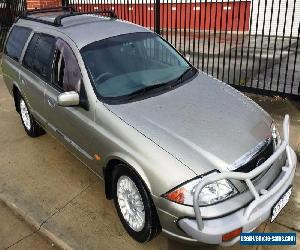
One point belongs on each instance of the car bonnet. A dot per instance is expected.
(204, 123)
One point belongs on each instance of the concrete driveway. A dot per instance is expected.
(16, 234)
(65, 202)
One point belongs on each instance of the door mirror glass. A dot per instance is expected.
(68, 99)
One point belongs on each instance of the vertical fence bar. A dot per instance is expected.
(157, 16)
(220, 36)
(143, 14)
(139, 12)
(150, 17)
(282, 43)
(295, 60)
(184, 30)
(199, 33)
(243, 41)
(215, 33)
(249, 41)
(204, 34)
(167, 20)
(230, 46)
(127, 10)
(176, 23)
(135, 12)
(261, 43)
(190, 19)
(162, 21)
(171, 22)
(114, 6)
(268, 46)
(208, 45)
(236, 43)
(225, 42)
(289, 49)
(180, 22)
(255, 43)
(275, 44)
(194, 37)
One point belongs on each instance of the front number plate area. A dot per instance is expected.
(281, 204)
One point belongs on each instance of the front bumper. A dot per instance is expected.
(214, 229)
(210, 231)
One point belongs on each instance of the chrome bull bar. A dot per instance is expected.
(259, 197)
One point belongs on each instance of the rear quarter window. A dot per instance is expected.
(16, 42)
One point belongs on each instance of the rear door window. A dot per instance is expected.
(42, 63)
(16, 42)
(39, 56)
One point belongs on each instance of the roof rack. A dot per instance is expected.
(45, 10)
(69, 13)
(110, 14)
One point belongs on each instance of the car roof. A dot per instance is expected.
(83, 29)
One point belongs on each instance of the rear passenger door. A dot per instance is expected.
(37, 71)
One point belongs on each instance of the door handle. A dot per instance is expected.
(51, 103)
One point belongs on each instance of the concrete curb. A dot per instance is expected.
(50, 236)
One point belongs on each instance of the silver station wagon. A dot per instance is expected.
(179, 151)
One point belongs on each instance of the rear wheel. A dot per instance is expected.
(32, 128)
(134, 205)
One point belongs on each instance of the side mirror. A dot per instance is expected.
(68, 99)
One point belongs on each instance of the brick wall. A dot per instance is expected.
(32, 4)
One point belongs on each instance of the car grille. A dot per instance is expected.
(259, 158)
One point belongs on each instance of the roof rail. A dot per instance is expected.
(110, 14)
(46, 10)
(69, 13)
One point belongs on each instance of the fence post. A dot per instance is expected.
(157, 17)
(65, 3)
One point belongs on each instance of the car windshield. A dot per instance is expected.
(129, 65)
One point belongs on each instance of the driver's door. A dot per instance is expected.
(72, 125)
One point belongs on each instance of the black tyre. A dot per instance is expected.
(32, 128)
(134, 205)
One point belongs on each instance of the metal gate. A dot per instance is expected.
(252, 45)
(9, 10)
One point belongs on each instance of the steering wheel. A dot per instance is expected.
(105, 75)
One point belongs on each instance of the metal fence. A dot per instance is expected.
(252, 45)
(9, 10)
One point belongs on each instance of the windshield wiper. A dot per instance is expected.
(180, 78)
(170, 84)
(142, 91)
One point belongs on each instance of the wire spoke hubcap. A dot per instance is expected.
(25, 115)
(131, 203)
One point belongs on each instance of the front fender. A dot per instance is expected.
(132, 163)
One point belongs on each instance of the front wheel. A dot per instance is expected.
(134, 205)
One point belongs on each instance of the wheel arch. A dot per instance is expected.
(132, 166)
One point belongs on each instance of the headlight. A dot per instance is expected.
(275, 135)
(210, 194)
